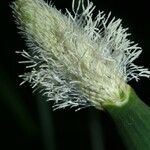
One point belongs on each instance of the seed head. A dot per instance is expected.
(74, 58)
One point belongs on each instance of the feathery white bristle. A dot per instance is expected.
(74, 59)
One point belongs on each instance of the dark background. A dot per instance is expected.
(28, 122)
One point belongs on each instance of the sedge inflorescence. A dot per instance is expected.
(74, 58)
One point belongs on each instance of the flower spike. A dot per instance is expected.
(75, 59)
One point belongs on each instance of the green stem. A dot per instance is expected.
(133, 122)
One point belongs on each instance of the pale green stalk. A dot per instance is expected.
(133, 122)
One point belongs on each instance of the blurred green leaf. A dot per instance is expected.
(46, 123)
(11, 98)
(96, 132)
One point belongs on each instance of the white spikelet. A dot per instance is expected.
(75, 59)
